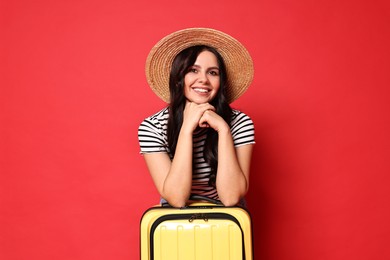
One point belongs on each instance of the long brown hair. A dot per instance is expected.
(180, 67)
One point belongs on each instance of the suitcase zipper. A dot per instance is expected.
(191, 217)
(198, 216)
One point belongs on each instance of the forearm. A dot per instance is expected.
(231, 181)
(177, 184)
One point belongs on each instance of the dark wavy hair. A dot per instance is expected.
(180, 67)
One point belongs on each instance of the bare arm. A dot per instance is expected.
(233, 169)
(173, 179)
(233, 163)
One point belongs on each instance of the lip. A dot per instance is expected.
(201, 90)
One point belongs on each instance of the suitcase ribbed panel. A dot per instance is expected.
(198, 240)
(167, 233)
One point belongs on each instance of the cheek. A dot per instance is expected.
(186, 86)
(217, 84)
(187, 81)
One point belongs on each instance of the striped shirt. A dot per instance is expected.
(152, 136)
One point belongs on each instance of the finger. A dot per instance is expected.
(203, 121)
(208, 106)
(203, 124)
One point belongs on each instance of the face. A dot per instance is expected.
(201, 83)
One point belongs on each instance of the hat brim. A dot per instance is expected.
(238, 62)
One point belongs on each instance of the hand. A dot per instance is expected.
(213, 120)
(193, 113)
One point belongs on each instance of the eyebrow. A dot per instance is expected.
(211, 68)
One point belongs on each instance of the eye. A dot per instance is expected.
(192, 70)
(214, 72)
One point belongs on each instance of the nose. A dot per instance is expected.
(203, 78)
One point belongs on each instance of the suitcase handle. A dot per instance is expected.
(200, 197)
(197, 198)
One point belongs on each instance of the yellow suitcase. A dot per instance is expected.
(201, 231)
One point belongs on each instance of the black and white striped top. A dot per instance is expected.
(152, 136)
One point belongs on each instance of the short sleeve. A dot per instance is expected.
(242, 128)
(151, 137)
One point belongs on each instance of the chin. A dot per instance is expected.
(200, 100)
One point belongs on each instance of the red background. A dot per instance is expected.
(73, 92)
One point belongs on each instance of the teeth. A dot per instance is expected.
(201, 90)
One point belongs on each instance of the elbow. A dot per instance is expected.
(230, 202)
(176, 201)
(176, 198)
(177, 204)
(232, 198)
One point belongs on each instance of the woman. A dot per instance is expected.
(198, 144)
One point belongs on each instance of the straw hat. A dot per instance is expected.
(239, 64)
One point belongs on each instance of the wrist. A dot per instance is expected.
(187, 131)
(225, 129)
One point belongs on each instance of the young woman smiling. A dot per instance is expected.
(198, 144)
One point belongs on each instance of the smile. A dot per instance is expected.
(201, 90)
